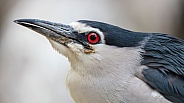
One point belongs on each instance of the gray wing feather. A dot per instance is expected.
(164, 57)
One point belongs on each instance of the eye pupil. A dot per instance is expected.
(93, 38)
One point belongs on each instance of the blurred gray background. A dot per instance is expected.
(32, 72)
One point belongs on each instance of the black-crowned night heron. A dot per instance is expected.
(113, 65)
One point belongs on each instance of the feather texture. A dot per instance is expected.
(164, 57)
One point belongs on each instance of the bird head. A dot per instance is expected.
(89, 42)
(109, 61)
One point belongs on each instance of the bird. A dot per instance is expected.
(109, 64)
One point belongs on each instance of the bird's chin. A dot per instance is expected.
(61, 41)
(60, 48)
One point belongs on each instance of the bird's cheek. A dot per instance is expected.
(76, 48)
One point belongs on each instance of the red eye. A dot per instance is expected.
(93, 38)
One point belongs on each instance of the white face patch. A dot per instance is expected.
(83, 28)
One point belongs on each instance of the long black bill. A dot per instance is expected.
(60, 33)
(54, 31)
